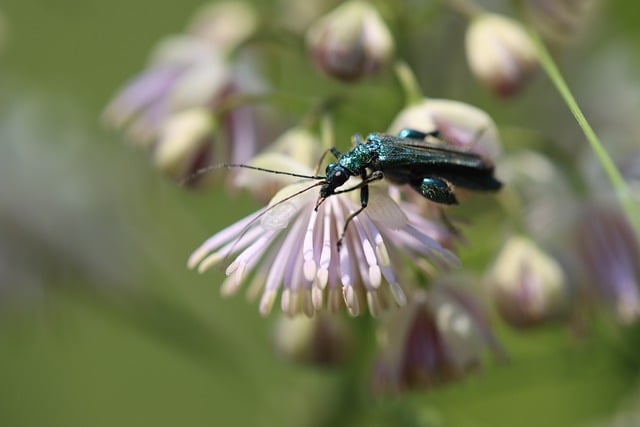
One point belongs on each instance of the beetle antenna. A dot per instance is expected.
(208, 169)
(261, 214)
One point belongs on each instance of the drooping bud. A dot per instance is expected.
(529, 287)
(185, 144)
(350, 42)
(500, 53)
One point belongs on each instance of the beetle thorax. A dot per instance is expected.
(358, 159)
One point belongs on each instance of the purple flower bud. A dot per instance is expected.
(350, 42)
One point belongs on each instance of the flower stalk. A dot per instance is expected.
(622, 191)
(408, 83)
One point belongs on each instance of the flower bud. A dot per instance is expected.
(462, 125)
(184, 144)
(529, 287)
(350, 42)
(500, 53)
(321, 340)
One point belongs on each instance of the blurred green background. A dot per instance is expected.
(100, 321)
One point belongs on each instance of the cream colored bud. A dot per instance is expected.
(183, 140)
(350, 42)
(529, 286)
(500, 53)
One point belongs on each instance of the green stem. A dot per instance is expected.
(618, 183)
(408, 82)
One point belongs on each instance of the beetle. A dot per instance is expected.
(433, 169)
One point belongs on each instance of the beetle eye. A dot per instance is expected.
(338, 173)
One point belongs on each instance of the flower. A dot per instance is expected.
(350, 42)
(291, 247)
(609, 256)
(500, 53)
(184, 73)
(529, 286)
(462, 125)
(193, 72)
(439, 337)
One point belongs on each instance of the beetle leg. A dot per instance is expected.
(375, 176)
(332, 150)
(364, 199)
(435, 189)
(416, 134)
(356, 139)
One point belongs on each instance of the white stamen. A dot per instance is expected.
(322, 278)
(308, 250)
(375, 276)
(374, 304)
(316, 297)
(309, 268)
(266, 302)
(307, 303)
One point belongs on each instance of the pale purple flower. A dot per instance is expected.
(610, 259)
(290, 249)
(192, 72)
